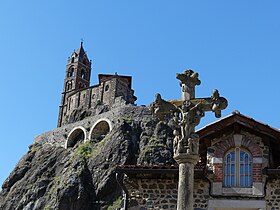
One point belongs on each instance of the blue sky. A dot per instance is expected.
(234, 45)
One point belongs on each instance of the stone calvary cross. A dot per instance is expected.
(187, 113)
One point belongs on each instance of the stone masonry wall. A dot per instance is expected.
(201, 194)
(273, 194)
(159, 194)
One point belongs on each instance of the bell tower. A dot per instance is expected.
(77, 77)
(78, 71)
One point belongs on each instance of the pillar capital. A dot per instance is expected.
(186, 158)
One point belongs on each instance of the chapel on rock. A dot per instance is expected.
(78, 95)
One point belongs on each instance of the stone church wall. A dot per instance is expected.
(84, 98)
(109, 94)
(95, 96)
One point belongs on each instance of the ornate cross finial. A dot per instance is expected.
(82, 41)
(188, 81)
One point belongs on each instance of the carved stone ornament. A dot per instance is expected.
(188, 111)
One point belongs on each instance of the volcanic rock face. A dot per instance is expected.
(83, 177)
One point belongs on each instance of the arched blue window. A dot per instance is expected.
(237, 168)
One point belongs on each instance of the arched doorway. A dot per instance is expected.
(76, 135)
(99, 130)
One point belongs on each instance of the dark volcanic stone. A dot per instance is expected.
(83, 177)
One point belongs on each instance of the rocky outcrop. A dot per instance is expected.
(156, 144)
(83, 177)
(82, 113)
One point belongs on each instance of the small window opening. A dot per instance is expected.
(69, 85)
(106, 87)
(83, 74)
(71, 72)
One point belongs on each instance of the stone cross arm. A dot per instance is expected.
(205, 104)
(214, 103)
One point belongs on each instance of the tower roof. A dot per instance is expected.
(80, 53)
(81, 50)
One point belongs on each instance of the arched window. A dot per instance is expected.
(71, 72)
(106, 87)
(237, 168)
(69, 85)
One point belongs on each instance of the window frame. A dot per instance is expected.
(235, 176)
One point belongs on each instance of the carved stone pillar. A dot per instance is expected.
(186, 180)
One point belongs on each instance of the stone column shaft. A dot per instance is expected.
(186, 180)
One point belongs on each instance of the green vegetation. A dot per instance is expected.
(34, 147)
(85, 151)
(90, 149)
(116, 205)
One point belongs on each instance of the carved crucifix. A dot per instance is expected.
(187, 113)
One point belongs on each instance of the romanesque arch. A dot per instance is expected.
(100, 129)
(76, 134)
